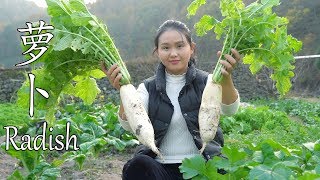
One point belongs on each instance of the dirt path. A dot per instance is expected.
(104, 167)
(7, 163)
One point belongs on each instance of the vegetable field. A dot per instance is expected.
(75, 134)
(266, 139)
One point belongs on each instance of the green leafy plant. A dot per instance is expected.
(12, 115)
(308, 112)
(258, 118)
(72, 60)
(97, 128)
(34, 165)
(272, 119)
(255, 31)
(266, 160)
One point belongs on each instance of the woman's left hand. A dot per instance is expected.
(230, 63)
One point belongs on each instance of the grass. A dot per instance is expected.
(12, 115)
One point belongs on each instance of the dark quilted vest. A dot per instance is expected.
(160, 109)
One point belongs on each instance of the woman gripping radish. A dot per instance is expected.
(172, 99)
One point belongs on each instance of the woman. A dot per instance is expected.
(172, 99)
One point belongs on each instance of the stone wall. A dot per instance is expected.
(249, 87)
(10, 81)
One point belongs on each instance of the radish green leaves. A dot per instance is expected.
(257, 33)
(72, 60)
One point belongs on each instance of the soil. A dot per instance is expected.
(7, 164)
(104, 167)
(108, 166)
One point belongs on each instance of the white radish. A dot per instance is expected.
(137, 117)
(209, 112)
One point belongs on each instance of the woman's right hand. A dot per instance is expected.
(113, 74)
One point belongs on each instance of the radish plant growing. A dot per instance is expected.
(265, 160)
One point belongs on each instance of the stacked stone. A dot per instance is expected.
(10, 81)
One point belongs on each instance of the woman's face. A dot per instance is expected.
(174, 51)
